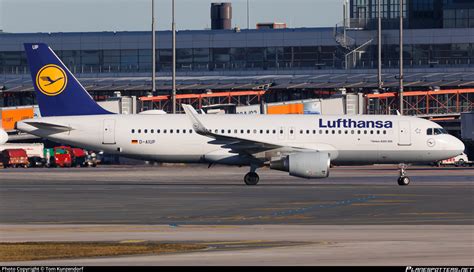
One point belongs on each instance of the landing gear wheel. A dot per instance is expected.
(403, 181)
(251, 178)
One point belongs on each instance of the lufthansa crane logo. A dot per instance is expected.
(51, 80)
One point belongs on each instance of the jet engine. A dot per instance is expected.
(3, 136)
(310, 165)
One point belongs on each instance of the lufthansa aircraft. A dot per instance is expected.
(302, 145)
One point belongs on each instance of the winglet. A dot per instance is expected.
(198, 127)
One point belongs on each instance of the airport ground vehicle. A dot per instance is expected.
(33, 150)
(65, 156)
(459, 160)
(14, 158)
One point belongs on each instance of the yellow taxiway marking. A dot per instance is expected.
(131, 241)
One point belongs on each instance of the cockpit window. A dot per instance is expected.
(436, 131)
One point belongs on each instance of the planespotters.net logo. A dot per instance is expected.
(438, 269)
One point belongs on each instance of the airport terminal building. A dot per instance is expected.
(289, 63)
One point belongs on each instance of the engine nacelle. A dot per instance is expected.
(310, 165)
(3, 136)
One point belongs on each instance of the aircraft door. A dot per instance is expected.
(404, 133)
(108, 131)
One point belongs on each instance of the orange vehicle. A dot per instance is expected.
(14, 158)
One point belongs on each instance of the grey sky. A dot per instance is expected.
(129, 15)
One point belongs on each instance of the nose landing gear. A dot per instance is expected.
(403, 180)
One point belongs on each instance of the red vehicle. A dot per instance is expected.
(66, 156)
(14, 158)
(80, 157)
(63, 156)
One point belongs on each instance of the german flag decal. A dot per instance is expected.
(134, 141)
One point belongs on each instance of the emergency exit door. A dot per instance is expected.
(404, 133)
(109, 132)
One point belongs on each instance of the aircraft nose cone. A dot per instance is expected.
(3, 136)
(458, 146)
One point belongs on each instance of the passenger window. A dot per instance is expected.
(222, 131)
(327, 131)
(346, 132)
(164, 131)
(301, 131)
(333, 132)
(184, 131)
(378, 131)
(371, 132)
(229, 131)
(190, 131)
(358, 132)
(384, 132)
(320, 131)
(274, 131)
(133, 131)
(314, 131)
(365, 131)
(254, 131)
(291, 131)
(216, 131)
(339, 131)
(177, 131)
(261, 131)
(152, 131)
(171, 131)
(242, 131)
(352, 131)
(139, 131)
(307, 131)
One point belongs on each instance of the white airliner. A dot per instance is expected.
(302, 145)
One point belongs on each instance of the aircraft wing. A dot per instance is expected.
(236, 144)
(48, 126)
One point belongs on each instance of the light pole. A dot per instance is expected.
(380, 85)
(248, 15)
(173, 29)
(153, 46)
(401, 58)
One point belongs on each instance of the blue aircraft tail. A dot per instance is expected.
(57, 90)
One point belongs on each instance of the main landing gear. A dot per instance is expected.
(403, 180)
(251, 178)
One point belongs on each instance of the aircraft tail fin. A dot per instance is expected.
(58, 92)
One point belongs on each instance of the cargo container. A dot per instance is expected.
(12, 115)
(296, 108)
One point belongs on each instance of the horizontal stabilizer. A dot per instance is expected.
(49, 126)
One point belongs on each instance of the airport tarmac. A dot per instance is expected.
(197, 195)
(357, 216)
